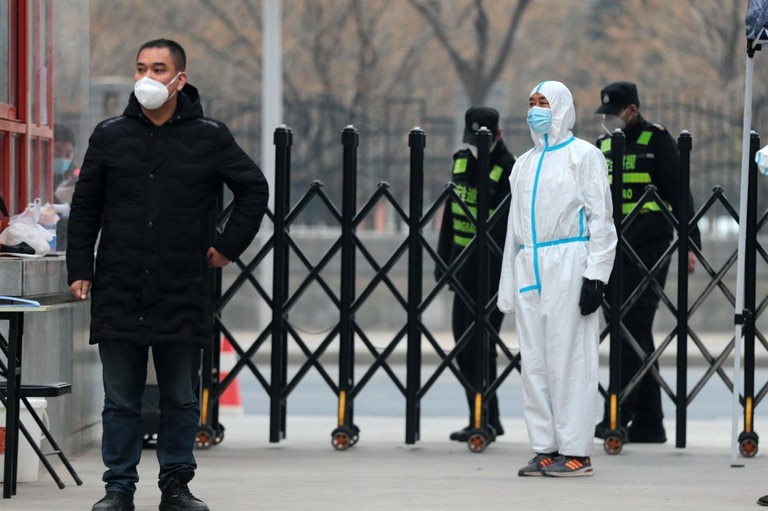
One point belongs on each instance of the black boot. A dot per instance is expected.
(603, 427)
(177, 497)
(647, 433)
(462, 435)
(114, 501)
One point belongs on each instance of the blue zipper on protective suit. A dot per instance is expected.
(534, 237)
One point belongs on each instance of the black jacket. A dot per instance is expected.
(650, 232)
(151, 192)
(449, 251)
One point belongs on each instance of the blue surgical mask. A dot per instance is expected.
(61, 165)
(539, 119)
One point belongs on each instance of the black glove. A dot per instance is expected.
(591, 296)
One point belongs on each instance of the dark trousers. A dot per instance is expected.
(642, 406)
(469, 358)
(124, 374)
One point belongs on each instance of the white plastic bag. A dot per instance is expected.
(48, 214)
(24, 227)
(36, 236)
(48, 218)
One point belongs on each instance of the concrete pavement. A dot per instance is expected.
(381, 472)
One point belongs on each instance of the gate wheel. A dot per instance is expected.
(479, 439)
(342, 438)
(748, 444)
(613, 444)
(219, 436)
(614, 440)
(205, 437)
(355, 435)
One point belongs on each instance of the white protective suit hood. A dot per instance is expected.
(563, 113)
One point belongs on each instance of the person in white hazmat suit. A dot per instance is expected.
(558, 255)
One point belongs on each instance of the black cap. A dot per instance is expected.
(616, 96)
(477, 117)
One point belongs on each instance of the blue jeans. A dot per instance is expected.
(124, 367)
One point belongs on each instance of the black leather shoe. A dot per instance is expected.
(653, 435)
(464, 434)
(115, 501)
(177, 497)
(461, 435)
(600, 429)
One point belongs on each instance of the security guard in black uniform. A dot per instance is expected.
(651, 157)
(456, 231)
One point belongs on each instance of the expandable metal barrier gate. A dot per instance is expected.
(346, 433)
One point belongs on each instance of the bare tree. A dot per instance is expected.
(476, 73)
(224, 39)
(345, 59)
(704, 37)
(389, 65)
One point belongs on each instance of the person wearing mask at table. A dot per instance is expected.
(65, 174)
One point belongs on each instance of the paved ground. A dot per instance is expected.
(303, 472)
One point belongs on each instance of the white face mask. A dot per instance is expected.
(473, 148)
(151, 93)
(612, 123)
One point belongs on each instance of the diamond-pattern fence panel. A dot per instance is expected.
(347, 300)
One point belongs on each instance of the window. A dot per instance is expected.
(25, 130)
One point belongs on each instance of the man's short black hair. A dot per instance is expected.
(178, 55)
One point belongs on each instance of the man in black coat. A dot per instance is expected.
(148, 188)
(456, 232)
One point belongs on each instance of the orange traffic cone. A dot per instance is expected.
(230, 401)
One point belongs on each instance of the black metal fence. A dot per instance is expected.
(347, 274)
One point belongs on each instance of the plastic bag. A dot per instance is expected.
(48, 218)
(24, 227)
(36, 236)
(47, 215)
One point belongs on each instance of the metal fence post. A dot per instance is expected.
(349, 139)
(417, 143)
(480, 409)
(684, 144)
(283, 139)
(748, 439)
(615, 438)
(211, 358)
